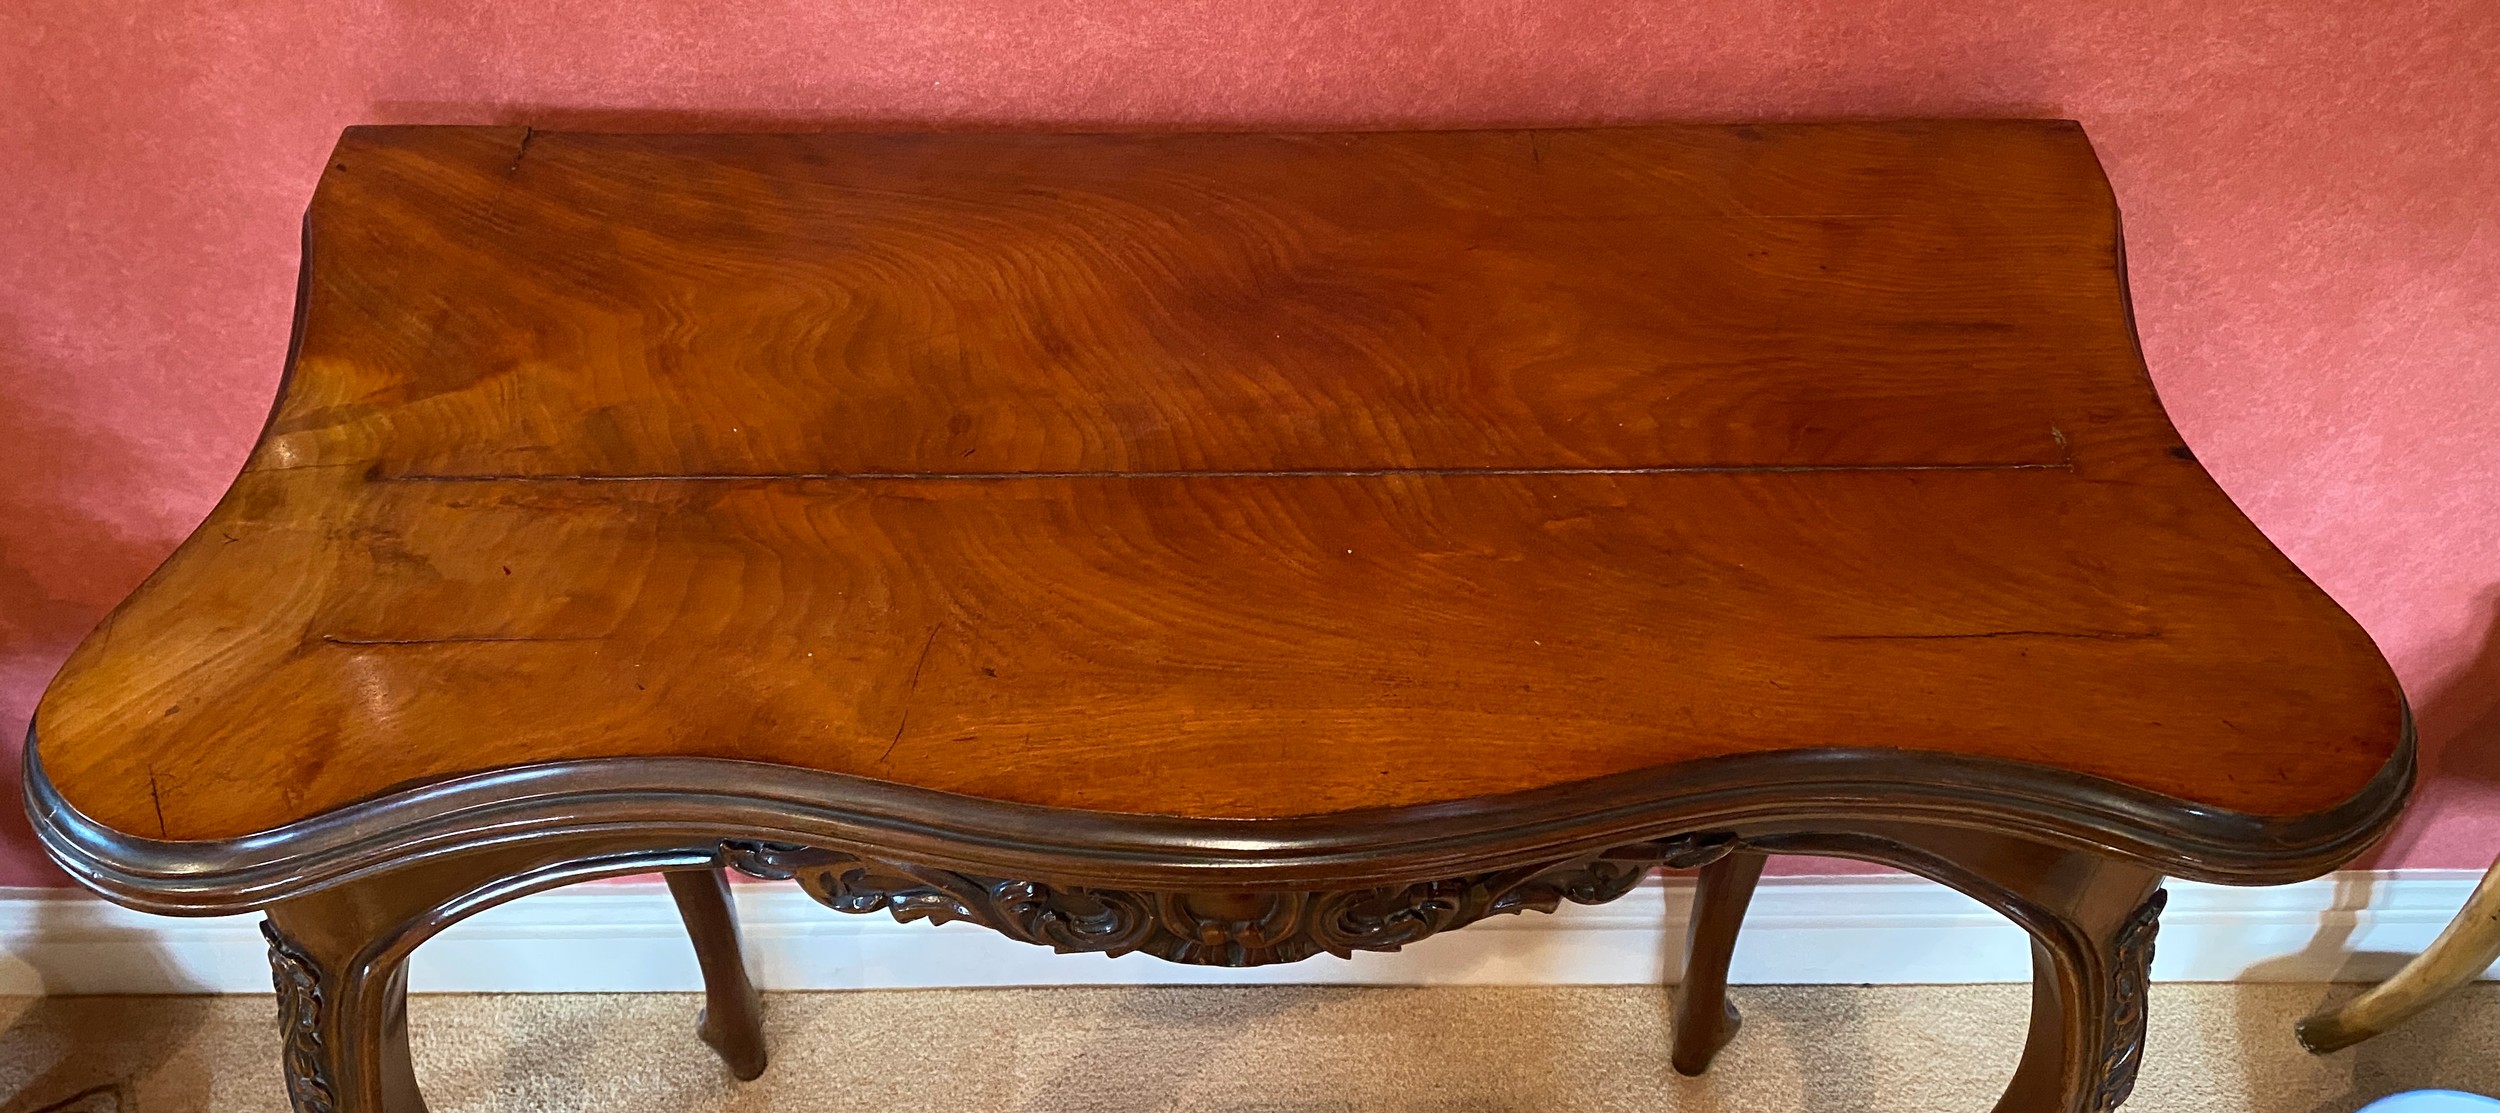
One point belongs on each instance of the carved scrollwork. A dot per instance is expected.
(1212, 928)
(2131, 974)
(299, 1023)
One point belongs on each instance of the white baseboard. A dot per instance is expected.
(2353, 926)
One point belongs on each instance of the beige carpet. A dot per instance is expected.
(1823, 1049)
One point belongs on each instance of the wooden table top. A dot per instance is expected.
(1229, 476)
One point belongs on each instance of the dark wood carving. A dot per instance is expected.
(1213, 928)
(2131, 973)
(299, 1023)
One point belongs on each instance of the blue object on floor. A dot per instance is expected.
(2432, 1101)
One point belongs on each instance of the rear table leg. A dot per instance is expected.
(733, 1013)
(1704, 1021)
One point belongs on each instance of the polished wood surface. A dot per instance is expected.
(1222, 476)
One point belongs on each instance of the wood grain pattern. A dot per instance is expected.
(1226, 476)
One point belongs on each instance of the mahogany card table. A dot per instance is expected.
(1233, 548)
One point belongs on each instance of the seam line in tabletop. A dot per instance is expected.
(1280, 473)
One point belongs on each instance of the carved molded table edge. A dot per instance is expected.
(706, 801)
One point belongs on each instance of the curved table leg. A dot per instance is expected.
(732, 1021)
(2092, 922)
(2464, 949)
(340, 957)
(342, 1013)
(1704, 1021)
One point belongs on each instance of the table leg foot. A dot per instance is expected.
(1704, 1021)
(732, 1021)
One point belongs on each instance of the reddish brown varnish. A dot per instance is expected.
(1216, 475)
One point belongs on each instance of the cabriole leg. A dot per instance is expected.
(342, 1009)
(1704, 1021)
(2092, 921)
(733, 1013)
(2087, 1002)
(340, 956)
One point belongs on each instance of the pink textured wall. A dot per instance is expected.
(2310, 192)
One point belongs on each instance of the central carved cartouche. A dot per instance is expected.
(1214, 928)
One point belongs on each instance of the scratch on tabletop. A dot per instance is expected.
(909, 687)
(522, 151)
(156, 799)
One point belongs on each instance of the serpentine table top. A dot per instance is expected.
(1218, 512)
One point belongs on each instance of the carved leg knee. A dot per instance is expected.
(2090, 969)
(343, 1014)
(340, 955)
(1704, 1021)
(732, 1021)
